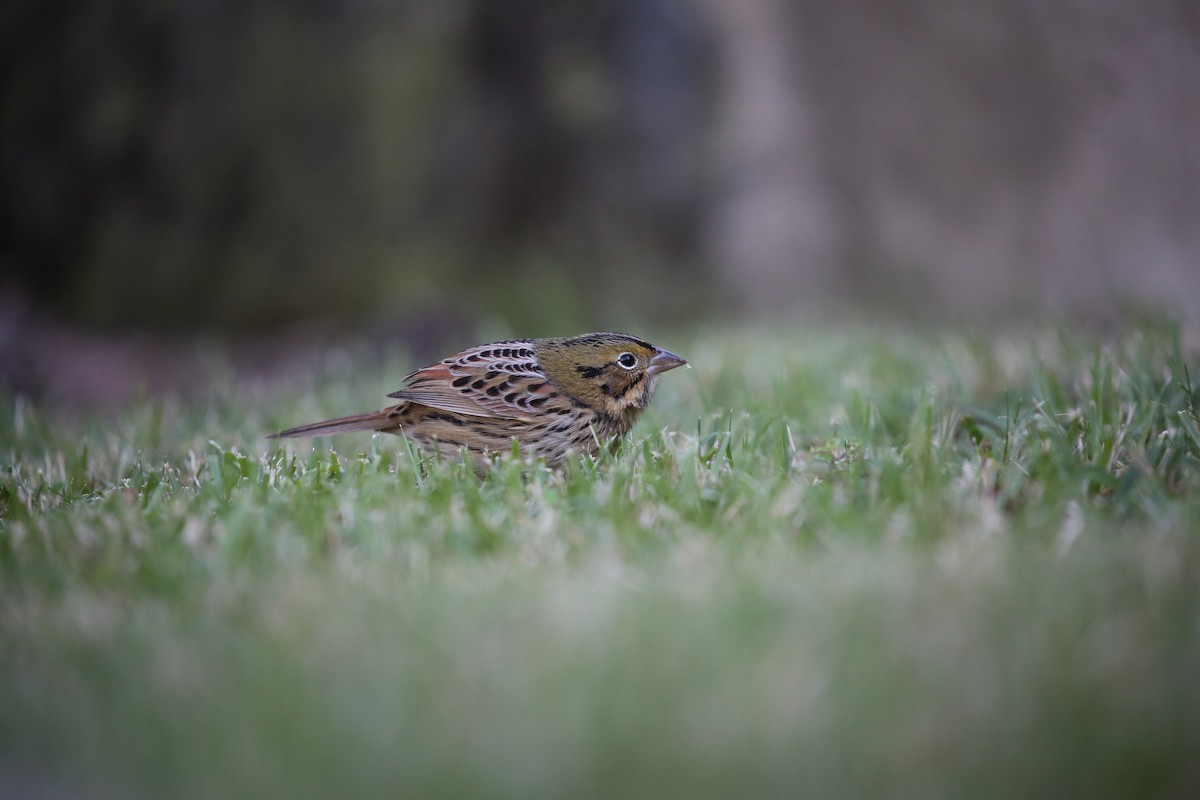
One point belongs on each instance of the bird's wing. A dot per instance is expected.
(492, 380)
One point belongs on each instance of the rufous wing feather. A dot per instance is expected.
(434, 387)
(477, 388)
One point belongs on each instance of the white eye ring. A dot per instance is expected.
(627, 361)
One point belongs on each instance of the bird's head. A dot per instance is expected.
(612, 373)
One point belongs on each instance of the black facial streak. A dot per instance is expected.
(589, 372)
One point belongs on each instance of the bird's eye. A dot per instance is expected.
(627, 361)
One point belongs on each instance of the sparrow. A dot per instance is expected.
(553, 397)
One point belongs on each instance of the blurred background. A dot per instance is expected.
(244, 167)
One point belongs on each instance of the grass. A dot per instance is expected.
(835, 564)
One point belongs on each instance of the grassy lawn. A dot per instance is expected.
(827, 564)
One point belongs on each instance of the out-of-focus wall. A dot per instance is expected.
(961, 158)
(222, 163)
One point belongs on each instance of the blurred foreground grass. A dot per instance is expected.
(828, 564)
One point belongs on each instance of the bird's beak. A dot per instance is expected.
(664, 360)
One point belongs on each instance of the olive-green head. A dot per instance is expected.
(612, 373)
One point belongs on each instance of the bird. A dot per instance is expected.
(552, 396)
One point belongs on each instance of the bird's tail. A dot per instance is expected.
(372, 421)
